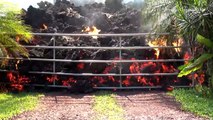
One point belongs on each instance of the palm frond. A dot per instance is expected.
(11, 25)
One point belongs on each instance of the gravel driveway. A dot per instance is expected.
(152, 106)
(137, 105)
(61, 106)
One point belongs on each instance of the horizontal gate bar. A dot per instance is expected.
(7, 70)
(92, 74)
(137, 87)
(104, 35)
(85, 35)
(110, 88)
(105, 48)
(96, 61)
(61, 86)
(101, 48)
(108, 74)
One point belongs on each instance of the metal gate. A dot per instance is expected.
(119, 61)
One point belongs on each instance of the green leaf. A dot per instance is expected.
(204, 41)
(187, 70)
(183, 66)
(196, 65)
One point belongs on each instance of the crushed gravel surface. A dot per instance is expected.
(138, 105)
(57, 106)
(152, 106)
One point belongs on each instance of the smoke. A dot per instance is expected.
(126, 1)
(83, 2)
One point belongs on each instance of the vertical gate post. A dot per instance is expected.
(192, 54)
(54, 58)
(120, 58)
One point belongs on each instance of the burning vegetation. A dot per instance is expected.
(92, 31)
(64, 17)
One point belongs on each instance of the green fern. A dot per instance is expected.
(11, 26)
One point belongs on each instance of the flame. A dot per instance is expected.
(176, 43)
(44, 26)
(157, 50)
(16, 65)
(92, 31)
(17, 38)
(157, 42)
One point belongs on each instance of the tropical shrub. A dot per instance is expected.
(12, 31)
(193, 21)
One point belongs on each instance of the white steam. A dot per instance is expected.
(83, 2)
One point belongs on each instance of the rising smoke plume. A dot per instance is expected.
(83, 2)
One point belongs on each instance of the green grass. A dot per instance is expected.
(194, 102)
(14, 104)
(106, 107)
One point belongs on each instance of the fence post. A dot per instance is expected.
(54, 52)
(120, 64)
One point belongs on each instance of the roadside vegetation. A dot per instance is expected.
(12, 32)
(190, 20)
(194, 102)
(14, 104)
(106, 107)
